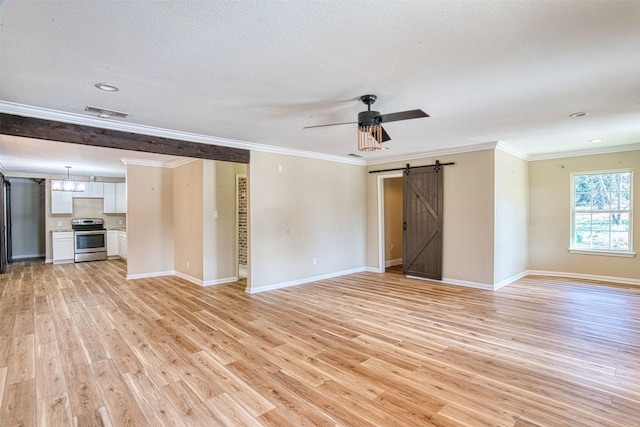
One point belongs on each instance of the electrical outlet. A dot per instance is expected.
(120, 222)
(215, 214)
(59, 223)
(187, 265)
(315, 261)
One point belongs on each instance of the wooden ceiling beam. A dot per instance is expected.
(86, 135)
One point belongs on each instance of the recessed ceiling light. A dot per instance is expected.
(596, 140)
(385, 148)
(578, 114)
(107, 87)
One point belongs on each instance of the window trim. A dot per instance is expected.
(629, 253)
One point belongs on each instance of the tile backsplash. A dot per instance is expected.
(87, 208)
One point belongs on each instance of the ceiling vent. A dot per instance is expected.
(104, 113)
(357, 156)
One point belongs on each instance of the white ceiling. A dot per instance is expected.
(259, 71)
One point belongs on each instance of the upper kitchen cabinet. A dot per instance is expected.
(92, 190)
(61, 201)
(115, 197)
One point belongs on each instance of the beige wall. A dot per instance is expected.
(188, 219)
(206, 243)
(549, 216)
(511, 216)
(468, 246)
(392, 219)
(220, 253)
(149, 220)
(312, 209)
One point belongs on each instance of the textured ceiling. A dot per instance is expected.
(259, 71)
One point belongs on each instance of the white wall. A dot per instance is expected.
(312, 209)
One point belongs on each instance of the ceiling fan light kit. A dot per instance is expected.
(369, 137)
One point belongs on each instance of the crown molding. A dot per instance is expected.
(157, 163)
(589, 152)
(436, 153)
(512, 150)
(80, 119)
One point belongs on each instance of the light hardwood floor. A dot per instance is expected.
(81, 345)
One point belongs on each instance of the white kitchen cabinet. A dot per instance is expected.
(62, 246)
(93, 190)
(61, 201)
(112, 243)
(114, 197)
(122, 244)
(121, 197)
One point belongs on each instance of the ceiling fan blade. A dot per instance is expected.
(331, 124)
(403, 115)
(385, 135)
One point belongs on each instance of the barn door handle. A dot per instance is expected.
(404, 226)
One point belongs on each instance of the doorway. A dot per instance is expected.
(390, 235)
(26, 219)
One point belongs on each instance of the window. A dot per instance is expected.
(601, 211)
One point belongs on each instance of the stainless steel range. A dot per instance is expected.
(90, 239)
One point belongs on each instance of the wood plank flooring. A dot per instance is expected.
(82, 346)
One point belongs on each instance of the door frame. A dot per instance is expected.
(381, 255)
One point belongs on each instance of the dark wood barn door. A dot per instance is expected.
(422, 212)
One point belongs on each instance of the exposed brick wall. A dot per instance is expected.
(242, 220)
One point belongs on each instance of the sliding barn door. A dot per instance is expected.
(422, 216)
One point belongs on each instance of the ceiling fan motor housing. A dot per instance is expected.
(369, 118)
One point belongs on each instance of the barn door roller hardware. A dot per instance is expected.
(436, 166)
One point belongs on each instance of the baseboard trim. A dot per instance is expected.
(393, 262)
(305, 280)
(448, 281)
(592, 277)
(27, 256)
(182, 276)
(149, 275)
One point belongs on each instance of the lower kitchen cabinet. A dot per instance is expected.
(112, 243)
(122, 244)
(62, 246)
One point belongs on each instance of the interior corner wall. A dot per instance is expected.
(149, 220)
(511, 216)
(312, 209)
(188, 205)
(550, 217)
(468, 235)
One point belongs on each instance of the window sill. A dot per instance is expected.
(602, 253)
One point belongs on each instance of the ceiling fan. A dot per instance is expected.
(371, 134)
